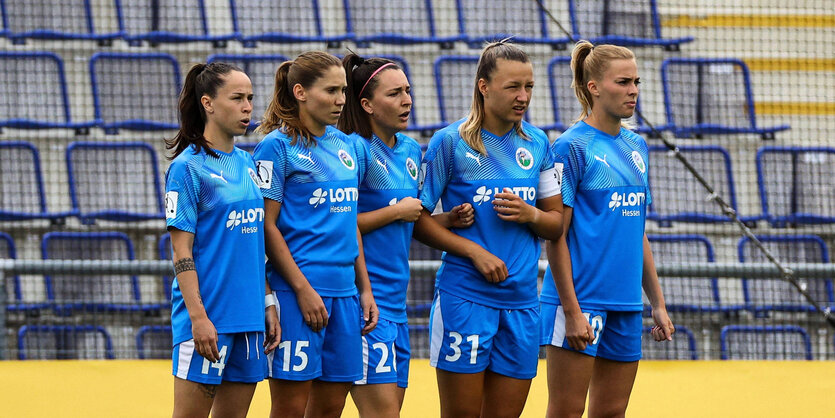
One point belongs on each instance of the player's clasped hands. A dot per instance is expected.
(410, 209)
(511, 207)
(462, 216)
(313, 309)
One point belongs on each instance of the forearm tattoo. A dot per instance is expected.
(208, 390)
(183, 264)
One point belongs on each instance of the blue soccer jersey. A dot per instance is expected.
(218, 200)
(456, 174)
(390, 175)
(317, 189)
(605, 182)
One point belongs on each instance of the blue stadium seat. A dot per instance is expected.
(678, 196)
(165, 254)
(280, 21)
(620, 22)
(787, 342)
(87, 292)
(774, 294)
(130, 168)
(61, 342)
(8, 252)
(135, 91)
(154, 342)
(797, 184)
(21, 185)
(564, 102)
(704, 96)
(523, 21)
(39, 19)
(33, 92)
(261, 71)
(392, 22)
(166, 21)
(686, 294)
(682, 347)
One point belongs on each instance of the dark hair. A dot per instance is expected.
(283, 110)
(470, 129)
(362, 82)
(201, 80)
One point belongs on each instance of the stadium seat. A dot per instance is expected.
(419, 340)
(154, 342)
(92, 292)
(261, 71)
(678, 196)
(68, 19)
(620, 22)
(686, 294)
(710, 96)
(400, 22)
(775, 294)
(454, 77)
(682, 347)
(166, 21)
(130, 168)
(280, 21)
(8, 252)
(33, 92)
(797, 184)
(165, 254)
(566, 108)
(61, 342)
(21, 185)
(135, 91)
(523, 21)
(739, 342)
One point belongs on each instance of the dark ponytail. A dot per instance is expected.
(202, 79)
(362, 82)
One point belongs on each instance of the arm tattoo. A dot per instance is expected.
(183, 264)
(208, 390)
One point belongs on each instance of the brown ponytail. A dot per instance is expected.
(590, 62)
(362, 82)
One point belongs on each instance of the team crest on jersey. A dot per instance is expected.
(524, 158)
(264, 170)
(411, 168)
(639, 161)
(346, 159)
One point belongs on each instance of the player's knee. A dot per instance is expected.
(614, 410)
(564, 410)
(449, 411)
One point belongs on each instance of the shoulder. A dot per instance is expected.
(410, 143)
(339, 135)
(634, 138)
(578, 136)
(188, 159)
(536, 135)
(448, 135)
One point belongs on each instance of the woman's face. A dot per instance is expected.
(508, 93)
(231, 108)
(616, 94)
(324, 99)
(391, 102)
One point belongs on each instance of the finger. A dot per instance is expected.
(504, 271)
(324, 315)
(506, 196)
(214, 352)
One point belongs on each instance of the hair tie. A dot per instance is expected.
(388, 64)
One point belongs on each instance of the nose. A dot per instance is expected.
(340, 99)
(248, 106)
(407, 99)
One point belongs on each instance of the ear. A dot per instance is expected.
(206, 101)
(592, 86)
(367, 106)
(482, 86)
(299, 92)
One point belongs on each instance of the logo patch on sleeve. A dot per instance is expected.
(171, 205)
(264, 169)
(558, 172)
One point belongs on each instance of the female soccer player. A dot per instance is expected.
(591, 310)
(485, 316)
(378, 103)
(215, 213)
(309, 174)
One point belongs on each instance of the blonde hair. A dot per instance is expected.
(590, 62)
(283, 111)
(470, 129)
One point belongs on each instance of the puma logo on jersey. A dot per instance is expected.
(382, 164)
(475, 157)
(306, 157)
(215, 176)
(602, 160)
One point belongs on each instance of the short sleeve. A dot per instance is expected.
(182, 188)
(549, 177)
(363, 156)
(270, 163)
(569, 160)
(435, 170)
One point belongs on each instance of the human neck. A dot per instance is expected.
(315, 128)
(388, 136)
(604, 122)
(495, 126)
(218, 140)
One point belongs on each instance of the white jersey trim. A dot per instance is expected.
(550, 181)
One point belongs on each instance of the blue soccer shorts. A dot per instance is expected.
(386, 354)
(241, 360)
(617, 335)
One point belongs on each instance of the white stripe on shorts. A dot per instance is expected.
(436, 338)
(558, 335)
(364, 379)
(270, 363)
(184, 356)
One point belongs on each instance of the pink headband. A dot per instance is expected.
(388, 64)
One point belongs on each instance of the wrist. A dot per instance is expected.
(269, 300)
